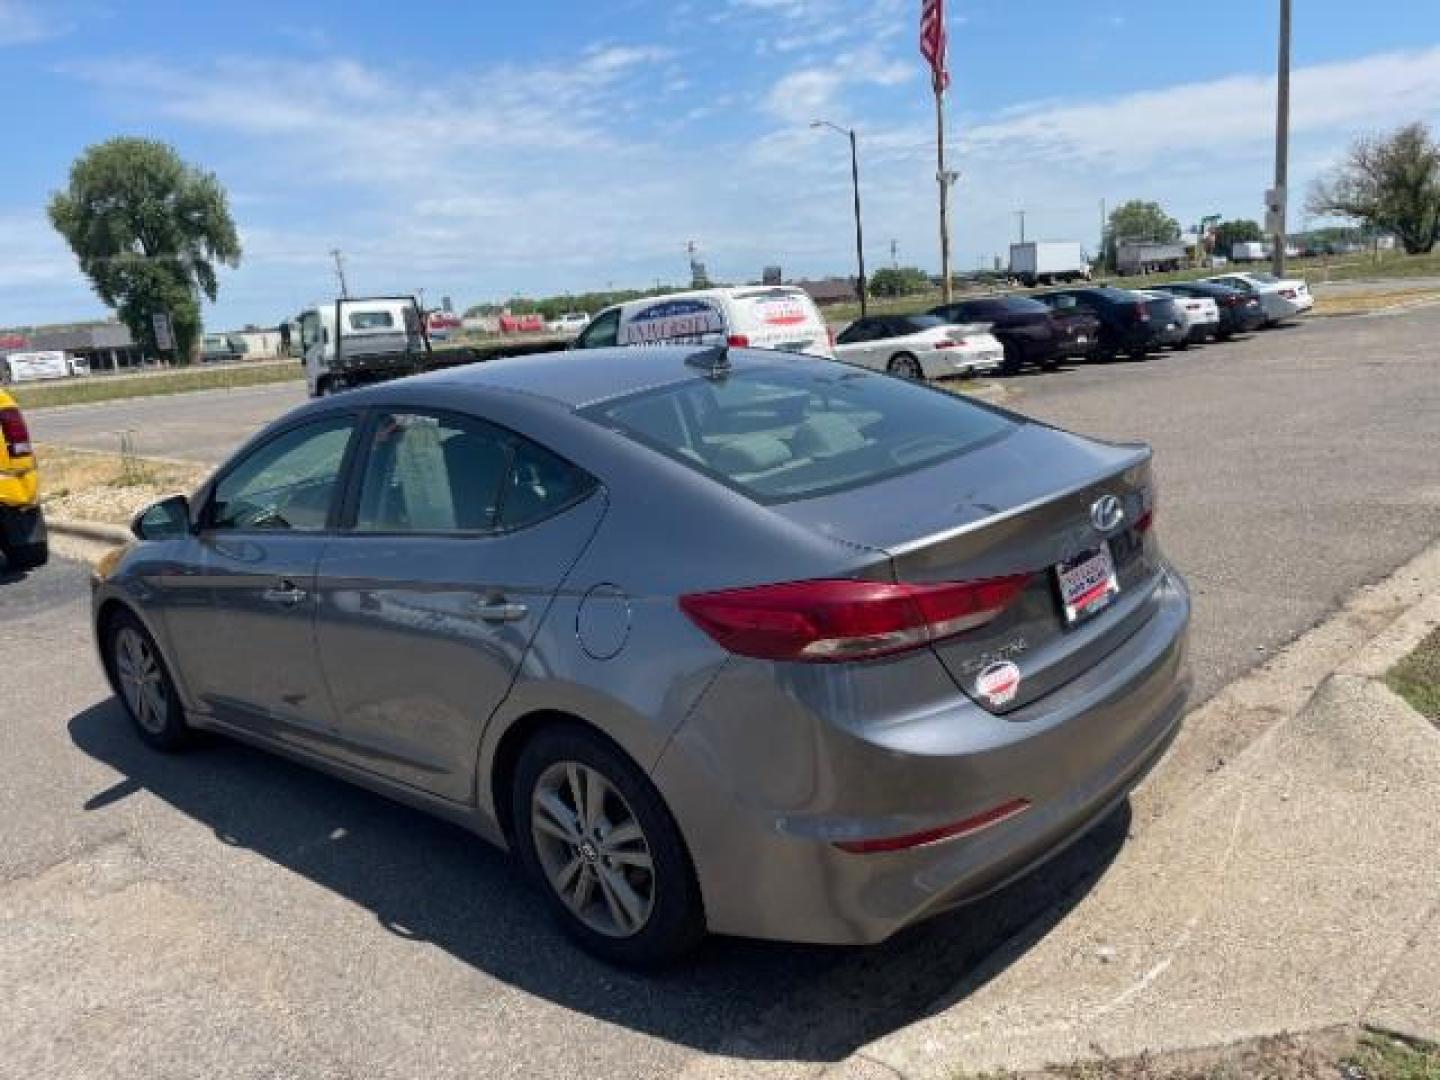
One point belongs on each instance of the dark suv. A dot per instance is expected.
(1025, 328)
(1130, 324)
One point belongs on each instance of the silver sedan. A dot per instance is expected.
(713, 640)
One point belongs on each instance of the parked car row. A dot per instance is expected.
(1104, 322)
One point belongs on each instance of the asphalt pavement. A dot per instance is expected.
(228, 914)
(204, 426)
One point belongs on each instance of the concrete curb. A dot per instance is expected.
(93, 531)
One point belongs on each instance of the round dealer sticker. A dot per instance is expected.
(998, 683)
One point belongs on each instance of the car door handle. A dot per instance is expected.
(501, 611)
(286, 592)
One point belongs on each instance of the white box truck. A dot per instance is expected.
(1249, 251)
(1046, 262)
(34, 366)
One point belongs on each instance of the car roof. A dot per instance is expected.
(580, 377)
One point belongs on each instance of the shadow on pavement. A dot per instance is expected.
(429, 881)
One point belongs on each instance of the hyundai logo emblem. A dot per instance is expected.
(1106, 513)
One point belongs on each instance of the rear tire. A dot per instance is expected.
(601, 845)
(143, 684)
(905, 366)
(27, 556)
(1012, 363)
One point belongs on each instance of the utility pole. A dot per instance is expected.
(340, 272)
(1021, 215)
(895, 254)
(1282, 144)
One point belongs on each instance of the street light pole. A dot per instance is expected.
(1282, 140)
(859, 229)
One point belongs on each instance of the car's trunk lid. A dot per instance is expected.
(1024, 504)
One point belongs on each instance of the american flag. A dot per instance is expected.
(932, 41)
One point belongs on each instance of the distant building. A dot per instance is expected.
(830, 291)
(104, 346)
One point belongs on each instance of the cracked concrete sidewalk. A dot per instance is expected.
(1293, 887)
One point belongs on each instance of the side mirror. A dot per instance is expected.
(164, 520)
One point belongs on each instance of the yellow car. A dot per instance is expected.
(22, 526)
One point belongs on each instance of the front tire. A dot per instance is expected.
(905, 366)
(599, 842)
(143, 684)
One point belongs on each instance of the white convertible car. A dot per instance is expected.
(919, 346)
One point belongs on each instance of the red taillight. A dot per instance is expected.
(827, 621)
(993, 816)
(830, 333)
(15, 433)
(1145, 521)
(738, 341)
(949, 344)
(1142, 313)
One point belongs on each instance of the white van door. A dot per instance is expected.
(673, 321)
(778, 318)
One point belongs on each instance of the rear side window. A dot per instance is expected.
(371, 320)
(779, 434)
(437, 474)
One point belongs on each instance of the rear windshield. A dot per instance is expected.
(779, 434)
(921, 322)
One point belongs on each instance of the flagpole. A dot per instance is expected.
(944, 181)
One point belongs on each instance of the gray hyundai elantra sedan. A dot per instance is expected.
(715, 640)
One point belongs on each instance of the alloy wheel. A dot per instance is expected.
(907, 367)
(593, 851)
(142, 682)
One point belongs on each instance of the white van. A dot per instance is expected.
(758, 316)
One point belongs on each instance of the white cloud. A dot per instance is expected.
(805, 93)
(21, 23)
(1220, 117)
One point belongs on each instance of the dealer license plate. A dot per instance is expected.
(1087, 583)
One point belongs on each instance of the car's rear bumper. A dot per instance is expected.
(763, 789)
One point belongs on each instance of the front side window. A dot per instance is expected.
(289, 483)
(309, 330)
(601, 333)
(440, 473)
(782, 433)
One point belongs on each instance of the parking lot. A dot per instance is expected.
(227, 914)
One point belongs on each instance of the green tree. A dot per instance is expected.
(1388, 182)
(148, 231)
(1239, 231)
(898, 281)
(1138, 220)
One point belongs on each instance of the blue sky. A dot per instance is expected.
(480, 149)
